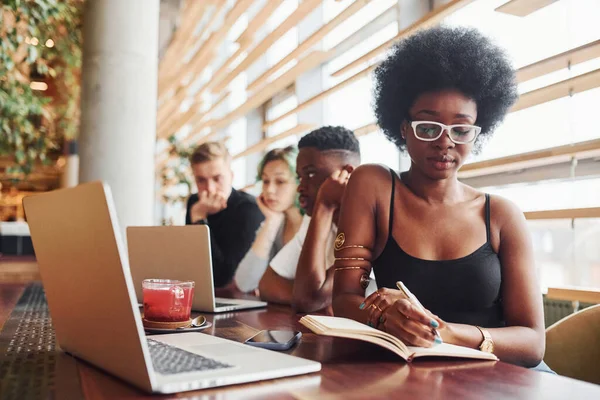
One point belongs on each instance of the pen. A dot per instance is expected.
(417, 303)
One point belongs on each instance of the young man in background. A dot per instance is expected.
(232, 216)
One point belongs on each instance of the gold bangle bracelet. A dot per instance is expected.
(345, 268)
(352, 246)
(350, 259)
(341, 239)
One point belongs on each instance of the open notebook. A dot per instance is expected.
(347, 328)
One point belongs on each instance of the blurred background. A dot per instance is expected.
(123, 90)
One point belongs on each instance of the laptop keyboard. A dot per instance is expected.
(170, 360)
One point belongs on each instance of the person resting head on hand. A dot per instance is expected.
(278, 202)
(232, 216)
(466, 256)
(300, 273)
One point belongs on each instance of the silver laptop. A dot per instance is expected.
(183, 253)
(94, 309)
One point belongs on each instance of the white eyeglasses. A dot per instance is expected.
(429, 131)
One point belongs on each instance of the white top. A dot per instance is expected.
(286, 261)
(252, 267)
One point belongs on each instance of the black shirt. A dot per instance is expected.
(466, 290)
(232, 232)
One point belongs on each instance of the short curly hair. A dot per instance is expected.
(331, 138)
(444, 58)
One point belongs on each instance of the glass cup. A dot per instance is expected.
(167, 300)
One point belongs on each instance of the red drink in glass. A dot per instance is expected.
(167, 300)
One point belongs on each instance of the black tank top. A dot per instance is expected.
(465, 290)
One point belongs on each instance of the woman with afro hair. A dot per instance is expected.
(465, 255)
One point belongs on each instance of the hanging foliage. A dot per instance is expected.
(40, 42)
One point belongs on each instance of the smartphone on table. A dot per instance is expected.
(275, 340)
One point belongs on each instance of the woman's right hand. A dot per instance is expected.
(270, 215)
(411, 325)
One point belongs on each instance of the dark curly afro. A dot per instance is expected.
(444, 58)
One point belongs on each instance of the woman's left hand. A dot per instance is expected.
(378, 302)
(270, 215)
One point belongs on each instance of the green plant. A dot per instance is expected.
(175, 174)
(39, 40)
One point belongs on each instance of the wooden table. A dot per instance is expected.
(351, 370)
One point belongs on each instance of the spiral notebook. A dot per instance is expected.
(350, 329)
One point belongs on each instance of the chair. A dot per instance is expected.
(573, 345)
